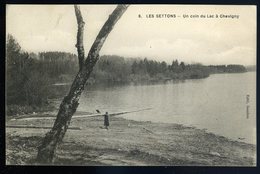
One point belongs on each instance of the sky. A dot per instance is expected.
(159, 32)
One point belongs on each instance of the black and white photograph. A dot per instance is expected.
(130, 85)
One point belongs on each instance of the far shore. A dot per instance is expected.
(127, 142)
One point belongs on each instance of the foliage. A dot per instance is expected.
(26, 84)
(111, 69)
(57, 63)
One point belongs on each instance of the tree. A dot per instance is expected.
(14, 78)
(163, 66)
(19, 70)
(13, 51)
(134, 67)
(46, 150)
(182, 65)
(175, 66)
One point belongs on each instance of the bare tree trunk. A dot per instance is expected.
(70, 103)
(80, 33)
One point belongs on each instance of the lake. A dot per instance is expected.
(224, 104)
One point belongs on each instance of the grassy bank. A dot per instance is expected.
(128, 142)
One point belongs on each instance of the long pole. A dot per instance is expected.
(80, 116)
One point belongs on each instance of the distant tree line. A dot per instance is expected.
(120, 69)
(29, 76)
(227, 68)
(251, 68)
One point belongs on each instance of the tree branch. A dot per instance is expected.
(93, 54)
(80, 33)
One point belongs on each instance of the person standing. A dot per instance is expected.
(106, 120)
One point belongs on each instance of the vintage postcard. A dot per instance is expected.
(131, 85)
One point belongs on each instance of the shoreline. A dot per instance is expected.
(78, 114)
(129, 142)
(195, 127)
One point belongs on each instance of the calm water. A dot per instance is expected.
(217, 103)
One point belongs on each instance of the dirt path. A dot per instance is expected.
(128, 143)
